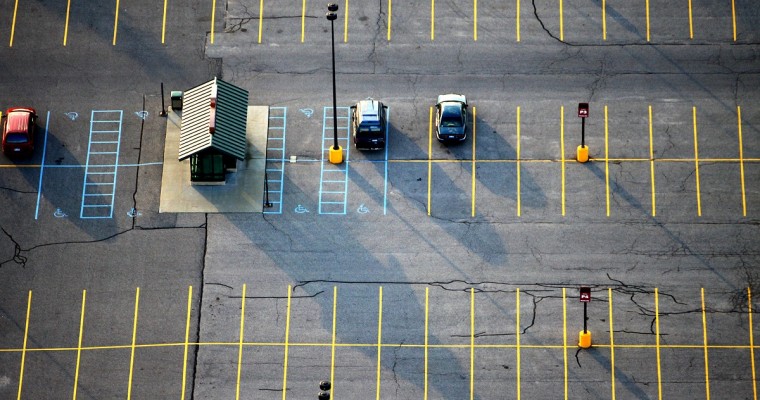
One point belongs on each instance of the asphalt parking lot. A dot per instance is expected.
(420, 271)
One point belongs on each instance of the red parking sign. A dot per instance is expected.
(585, 294)
(583, 110)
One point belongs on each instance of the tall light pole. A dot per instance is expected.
(336, 152)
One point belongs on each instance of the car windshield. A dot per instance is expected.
(451, 116)
(16, 138)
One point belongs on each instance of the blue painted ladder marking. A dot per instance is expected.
(275, 163)
(333, 179)
(99, 186)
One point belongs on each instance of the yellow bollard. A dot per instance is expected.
(336, 155)
(584, 339)
(582, 154)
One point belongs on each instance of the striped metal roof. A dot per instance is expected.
(231, 116)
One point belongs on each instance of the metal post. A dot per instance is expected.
(335, 108)
(163, 107)
(583, 132)
(584, 317)
(267, 203)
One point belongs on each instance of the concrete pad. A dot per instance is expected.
(243, 190)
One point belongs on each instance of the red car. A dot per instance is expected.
(18, 131)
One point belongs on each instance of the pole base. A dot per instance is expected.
(582, 154)
(584, 339)
(336, 155)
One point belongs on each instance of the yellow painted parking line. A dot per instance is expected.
(66, 24)
(430, 157)
(23, 349)
(187, 338)
(657, 339)
(474, 136)
(261, 18)
(562, 151)
(287, 344)
(240, 344)
(751, 343)
(432, 19)
(427, 308)
(651, 163)
(345, 24)
(741, 159)
(472, 343)
(564, 335)
(704, 336)
(606, 160)
(647, 12)
(79, 343)
(163, 23)
(132, 350)
(517, 22)
(332, 343)
(518, 162)
(696, 160)
(604, 19)
(303, 19)
(733, 17)
(213, 16)
(390, 15)
(517, 335)
(475, 22)
(612, 338)
(691, 25)
(115, 22)
(13, 24)
(379, 338)
(561, 23)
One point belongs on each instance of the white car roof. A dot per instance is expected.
(452, 97)
(369, 110)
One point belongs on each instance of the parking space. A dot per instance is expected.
(75, 172)
(669, 165)
(397, 340)
(692, 154)
(158, 23)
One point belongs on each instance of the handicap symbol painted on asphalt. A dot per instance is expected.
(133, 213)
(142, 114)
(59, 213)
(72, 115)
(308, 112)
(301, 209)
(362, 209)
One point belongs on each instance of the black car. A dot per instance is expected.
(368, 124)
(451, 118)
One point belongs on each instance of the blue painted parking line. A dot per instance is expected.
(42, 166)
(385, 173)
(99, 186)
(333, 179)
(275, 163)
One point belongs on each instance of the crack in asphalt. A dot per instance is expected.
(538, 18)
(17, 191)
(17, 257)
(238, 26)
(22, 259)
(196, 349)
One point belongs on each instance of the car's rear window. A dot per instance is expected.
(371, 130)
(16, 138)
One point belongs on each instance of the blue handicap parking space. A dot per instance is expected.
(99, 186)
